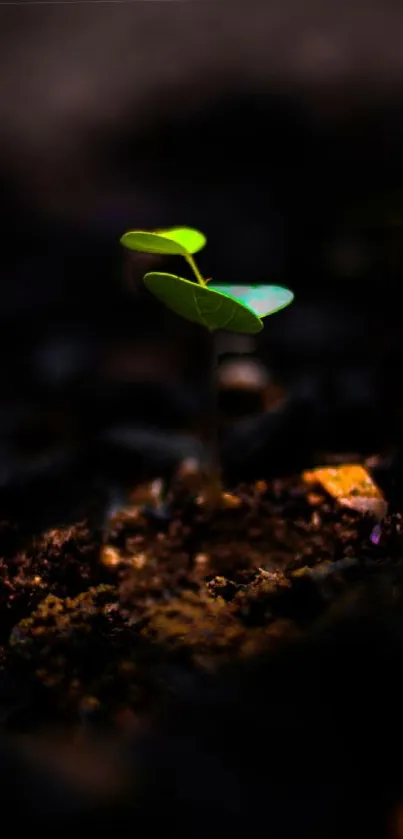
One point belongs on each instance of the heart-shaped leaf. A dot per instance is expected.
(175, 240)
(262, 299)
(202, 304)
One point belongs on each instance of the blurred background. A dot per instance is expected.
(277, 129)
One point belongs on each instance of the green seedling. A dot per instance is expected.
(234, 308)
(213, 306)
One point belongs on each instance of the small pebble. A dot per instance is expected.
(110, 557)
(230, 501)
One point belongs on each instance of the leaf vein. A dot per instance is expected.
(199, 312)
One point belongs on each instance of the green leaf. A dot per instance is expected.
(175, 240)
(264, 300)
(202, 304)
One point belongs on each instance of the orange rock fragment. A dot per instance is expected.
(352, 486)
(110, 556)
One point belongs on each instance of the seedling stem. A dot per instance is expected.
(192, 263)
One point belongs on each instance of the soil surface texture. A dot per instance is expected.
(254, 652)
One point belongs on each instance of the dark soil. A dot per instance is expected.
(249, 645)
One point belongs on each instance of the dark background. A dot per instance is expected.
(275, 128)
